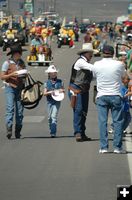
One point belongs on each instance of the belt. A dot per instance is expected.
(76, 91)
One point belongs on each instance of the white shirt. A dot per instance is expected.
(5, 65)
(41, 57)
(108, 73)
(82, 63)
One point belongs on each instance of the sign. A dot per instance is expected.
(1, 14)
(28, 1)
(29, 7)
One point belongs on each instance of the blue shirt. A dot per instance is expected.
(36, 43)
(52, 85)
(126, 105)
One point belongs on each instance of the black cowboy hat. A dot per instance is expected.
(15, 49)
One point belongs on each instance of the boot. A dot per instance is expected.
(9, 132)
(78, 137)
(85, 138)
(17, 131)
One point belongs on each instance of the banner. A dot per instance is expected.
(29, 7)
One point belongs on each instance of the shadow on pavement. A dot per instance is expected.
(46, 137)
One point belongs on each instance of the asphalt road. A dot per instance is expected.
(37, 167)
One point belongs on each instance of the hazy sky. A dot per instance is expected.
(95, 9)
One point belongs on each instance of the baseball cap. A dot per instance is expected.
(107, 49)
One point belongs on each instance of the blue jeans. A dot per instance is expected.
(53, 109)
(115, 104)
(80, 111)
(13, 106)
(127, 120)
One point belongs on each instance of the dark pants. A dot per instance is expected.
(80, 111)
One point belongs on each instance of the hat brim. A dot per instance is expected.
(122, 53)
(85, 51)
(12, 52)
(58, 96)
(47, 71)
(108, 54)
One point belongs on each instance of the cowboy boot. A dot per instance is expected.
(17, 131)
(9, 132)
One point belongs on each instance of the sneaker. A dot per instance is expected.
(118, 151)
(110, 131)
(103, 151)
(9, 136)
(53, 136)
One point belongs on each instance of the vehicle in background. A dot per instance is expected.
(8, 42)
(102, 24)
(40, 56)
(65, 40)
(20, 33)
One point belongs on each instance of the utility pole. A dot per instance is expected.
(33, 4)
(8, 6)
(55, 5)
(43, 5)
(81, 14)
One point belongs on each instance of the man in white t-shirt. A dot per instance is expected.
(108, 73)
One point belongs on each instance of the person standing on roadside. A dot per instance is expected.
(109, 73)
(81, 76)
(13, 87)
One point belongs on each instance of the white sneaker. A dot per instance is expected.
(73, 47)
(103, 151)
(128, 130)
(119, 151)
(53, 135)
(110, 131)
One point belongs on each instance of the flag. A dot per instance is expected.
(64, 22)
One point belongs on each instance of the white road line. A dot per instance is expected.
(129, 155)
(128, 144)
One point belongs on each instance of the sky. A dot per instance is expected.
(94, 9)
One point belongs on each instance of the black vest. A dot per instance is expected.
(81, 78)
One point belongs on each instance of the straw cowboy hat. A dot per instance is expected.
(15, 49)
(51, 69)
(57, 96)
(86, 47)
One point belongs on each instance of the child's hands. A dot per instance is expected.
(128, 94)
(53, 92)
(61, 90)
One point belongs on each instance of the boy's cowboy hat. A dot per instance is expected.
(57, 96)
(86, 47)
(15, 49)
(51, 69)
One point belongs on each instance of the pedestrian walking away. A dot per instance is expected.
(109, 73)
(81, 76)
(54, 91)
(13, 86)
